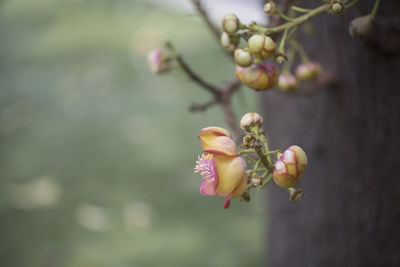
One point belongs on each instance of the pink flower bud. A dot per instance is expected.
(223, 171)
(230, 24)
(158, 61)
(287, 82)
(308, 71)
(228, 42)
(261, 46)
(290, 167)
(250, 119)
(258, 77)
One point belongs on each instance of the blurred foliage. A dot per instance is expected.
(97, 154)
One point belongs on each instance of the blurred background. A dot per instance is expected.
(97, 154)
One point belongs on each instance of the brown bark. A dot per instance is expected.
(350, 213)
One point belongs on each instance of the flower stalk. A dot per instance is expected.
(288, 25)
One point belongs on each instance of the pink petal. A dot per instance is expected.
(209, 188)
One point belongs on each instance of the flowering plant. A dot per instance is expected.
(224, 170)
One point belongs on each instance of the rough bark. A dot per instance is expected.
(350, 213)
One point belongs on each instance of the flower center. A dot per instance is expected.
(205, 165)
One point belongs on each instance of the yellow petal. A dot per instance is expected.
(216, 131)
(217, 144)
(240, 189)
(231, 173)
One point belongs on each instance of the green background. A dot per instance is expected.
(97, 154)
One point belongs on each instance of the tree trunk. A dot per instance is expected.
(350, 213)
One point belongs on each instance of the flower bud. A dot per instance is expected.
(308, 71)
(295, 195)
(250, 119)
(158, 61)
(287, 82)
(290, 167)
(243, 58)
(258, 77)
(336, 7)
(361, 27)
(261, 46)
(230, 24)
(280, 59)
(255, 181)
(269, 8)
(230, 43)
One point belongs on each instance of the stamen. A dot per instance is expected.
(205, 165)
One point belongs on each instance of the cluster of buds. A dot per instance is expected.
(261, 76)
(229, 39)
(258, 76)
(309, 71)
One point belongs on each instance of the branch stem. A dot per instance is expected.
(297, 21)
(375, 9)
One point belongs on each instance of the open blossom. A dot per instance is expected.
(223, 170)
(158, 61)
(290, 167)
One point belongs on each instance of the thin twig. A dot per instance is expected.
(202, 107)
(214, 29)
(197, 4)
(222, 95)
(196, 78)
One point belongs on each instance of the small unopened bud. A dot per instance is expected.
(261, 46)
(280, 58)
(290, 167)
(308, 71)
(230, 24)
(295, 195)
(361, 27)
(269, 8)
(230, 43)
(158, 61)
(250, 120)
(336, 7)
(255, 181)
(258, 77)
(287, 82)
(243, 58)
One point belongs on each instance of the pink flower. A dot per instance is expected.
(223, 171)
